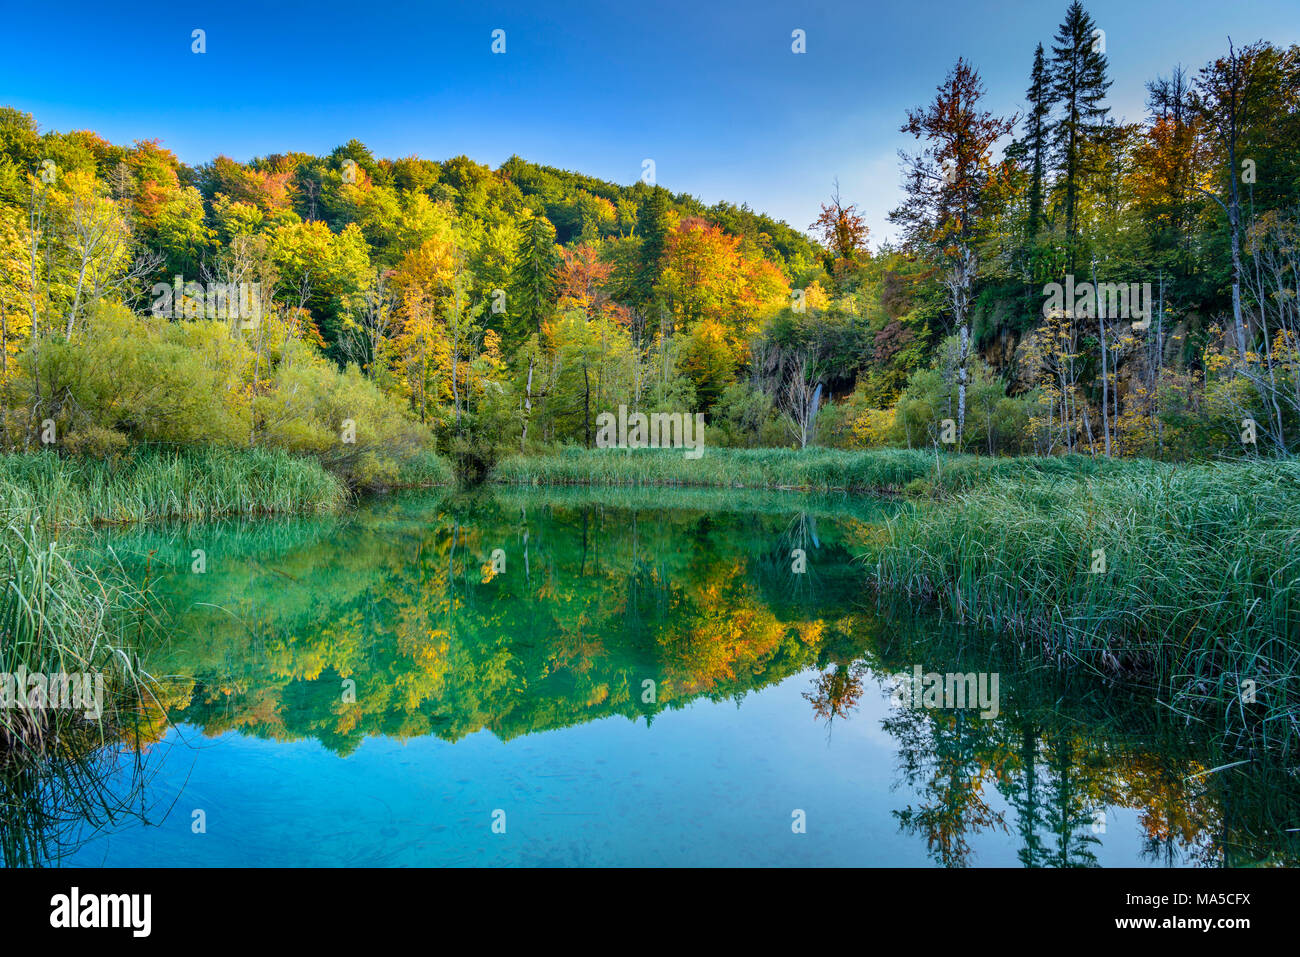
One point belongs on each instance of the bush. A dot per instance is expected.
(149, 379)
(918, 488)
(343, 419)
(745, 417)
(96, 442)
(129, 379)
(995, 422)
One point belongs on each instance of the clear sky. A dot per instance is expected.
(711, 91)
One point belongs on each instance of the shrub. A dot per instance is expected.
(343, 419)
(128, 379)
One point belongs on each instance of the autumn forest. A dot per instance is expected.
(401, 495)
(478, 312)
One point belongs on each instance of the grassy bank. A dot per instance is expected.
(152, 485)
(1200, 593)
(883, 471)
(58, 618)
(193, 484)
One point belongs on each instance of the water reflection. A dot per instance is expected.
(524, 612)
(53, 802)
(1063, 755)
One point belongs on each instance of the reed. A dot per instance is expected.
(57, 617)
(1185, 579)
(881, 471)
(151, 485)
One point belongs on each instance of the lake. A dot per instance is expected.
(609, 678)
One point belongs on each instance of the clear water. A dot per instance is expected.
(522, 698)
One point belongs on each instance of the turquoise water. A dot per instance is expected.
(380, 689)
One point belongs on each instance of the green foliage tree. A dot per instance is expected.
(533, 280)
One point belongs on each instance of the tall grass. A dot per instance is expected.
(150, 485)
(425, 469)
(883, 471)
(58, 618)
(1200, 596)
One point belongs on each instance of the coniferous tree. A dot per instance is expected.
(534, 275)
(656, 222)
(1037, 130)
(1170, 98)
(1174, 150)
(1079, 84)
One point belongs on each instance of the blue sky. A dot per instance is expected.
(710, 91)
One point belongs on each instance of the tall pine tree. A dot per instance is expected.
(1038, 125)
(533, 278)
(656, 223)
(1079, 84)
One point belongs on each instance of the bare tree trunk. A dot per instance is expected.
(1160, 366)
(1234, 225)
(958, 281)
(586, 404)
(424, 379)
(1105, 380)
(35, 225)
(528, 404)
(257, 374)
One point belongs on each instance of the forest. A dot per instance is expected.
(287, 441)
(378, 314)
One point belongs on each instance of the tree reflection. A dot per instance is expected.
(945, 757)
(53, 803)
(596, 600)
(835, 692)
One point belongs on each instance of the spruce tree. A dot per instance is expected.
(655, 222)
(1079, 84)
(1038, 123)
(533, 277)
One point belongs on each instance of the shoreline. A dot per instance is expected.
(1174, 575)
